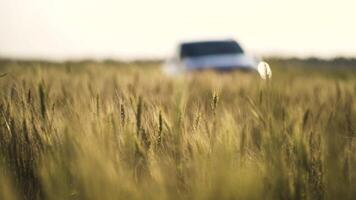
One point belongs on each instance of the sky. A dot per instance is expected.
(118, 29)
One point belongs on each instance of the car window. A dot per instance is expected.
(195, 49)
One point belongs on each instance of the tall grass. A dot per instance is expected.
(97, 131)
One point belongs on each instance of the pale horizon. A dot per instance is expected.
(111, 29)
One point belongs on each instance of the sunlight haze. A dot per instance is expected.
(67, 29)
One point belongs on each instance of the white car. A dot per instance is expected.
(220, 55)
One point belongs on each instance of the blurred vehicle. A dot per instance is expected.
(220, 55)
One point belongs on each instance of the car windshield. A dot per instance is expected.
(195, 49)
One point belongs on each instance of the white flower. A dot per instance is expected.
(264, 70)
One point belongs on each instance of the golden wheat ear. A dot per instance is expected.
(264, 70)
(2, 75)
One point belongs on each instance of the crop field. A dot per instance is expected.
(116, 130)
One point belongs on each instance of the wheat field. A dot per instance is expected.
(110, 130)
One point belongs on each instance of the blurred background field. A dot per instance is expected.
(123, 130)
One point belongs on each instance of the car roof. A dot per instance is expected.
(207, 41)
